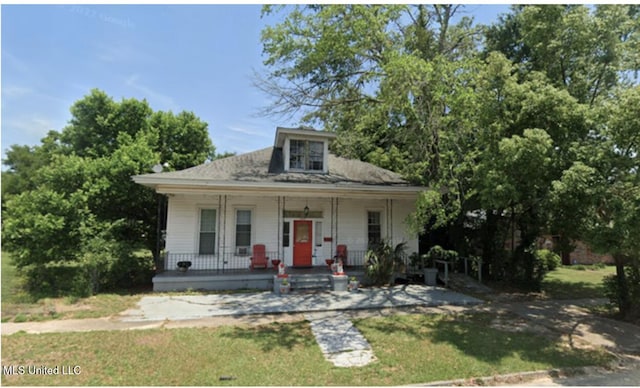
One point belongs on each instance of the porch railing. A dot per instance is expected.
(470, 266)
(355, 258)
(229, 260)
(224, 261)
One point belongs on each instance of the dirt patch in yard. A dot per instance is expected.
(514, 324)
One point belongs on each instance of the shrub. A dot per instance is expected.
(419, 262)
(549, 260)
(438, 253)
(57, 278)
(110, 261)
(529, 266)
(111, 264)
(382, 261)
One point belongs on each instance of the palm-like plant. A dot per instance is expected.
(382, 261)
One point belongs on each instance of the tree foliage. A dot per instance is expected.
(71, 209)
(579, 49)
(527, 126)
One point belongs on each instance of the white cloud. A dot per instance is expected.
(15, 91)
(250, 132)
(34, 128)
(122, 52)
(240, 140)
(11, 61)
(154, 97)
(114, 53)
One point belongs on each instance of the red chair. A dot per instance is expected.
(341, 254)
(259, 258)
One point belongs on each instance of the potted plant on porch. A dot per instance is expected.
(425, 264)
(285, 286)
(353, 284)
(429, 263)
(183, 266)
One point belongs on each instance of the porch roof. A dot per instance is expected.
(263, 171)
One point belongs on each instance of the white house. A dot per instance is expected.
(295, 198)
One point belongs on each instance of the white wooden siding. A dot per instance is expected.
(349, 227)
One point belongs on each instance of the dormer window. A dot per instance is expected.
(306, 155)
(304, 150)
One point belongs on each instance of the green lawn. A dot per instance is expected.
(11, 285)
(19, 306)
(570, 282)
(409, 349)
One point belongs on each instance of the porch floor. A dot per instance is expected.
(257, 272)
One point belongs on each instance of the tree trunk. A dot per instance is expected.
(489, 235)
(624, 300)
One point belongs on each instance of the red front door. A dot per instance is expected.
(302, 243)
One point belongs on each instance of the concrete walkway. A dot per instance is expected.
(262, 307)
(158, 308)
(340, 342)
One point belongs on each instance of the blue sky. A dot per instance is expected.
(197, 58)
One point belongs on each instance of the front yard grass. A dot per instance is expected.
(19, 306)
(575, 282)
(409, 349)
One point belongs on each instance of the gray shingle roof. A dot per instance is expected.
(266, 165)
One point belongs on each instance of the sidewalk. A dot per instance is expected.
(206, 310)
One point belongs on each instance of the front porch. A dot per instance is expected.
(244, 278)
(228, 261)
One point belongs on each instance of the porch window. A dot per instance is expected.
(286, 234)
(306, 155)
(243, 228)
(374, 231)
(207, 232)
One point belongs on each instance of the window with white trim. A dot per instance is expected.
(286, 233)
(207, 241)
(243, 228)
(374, 229)
(306, 155)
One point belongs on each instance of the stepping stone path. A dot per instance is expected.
(340, 342)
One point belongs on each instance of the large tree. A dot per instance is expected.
(358, 69)
(408, 89)
(593, 54)
(384, 77)
(601, 192)
(71, 199)
(582, 49)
